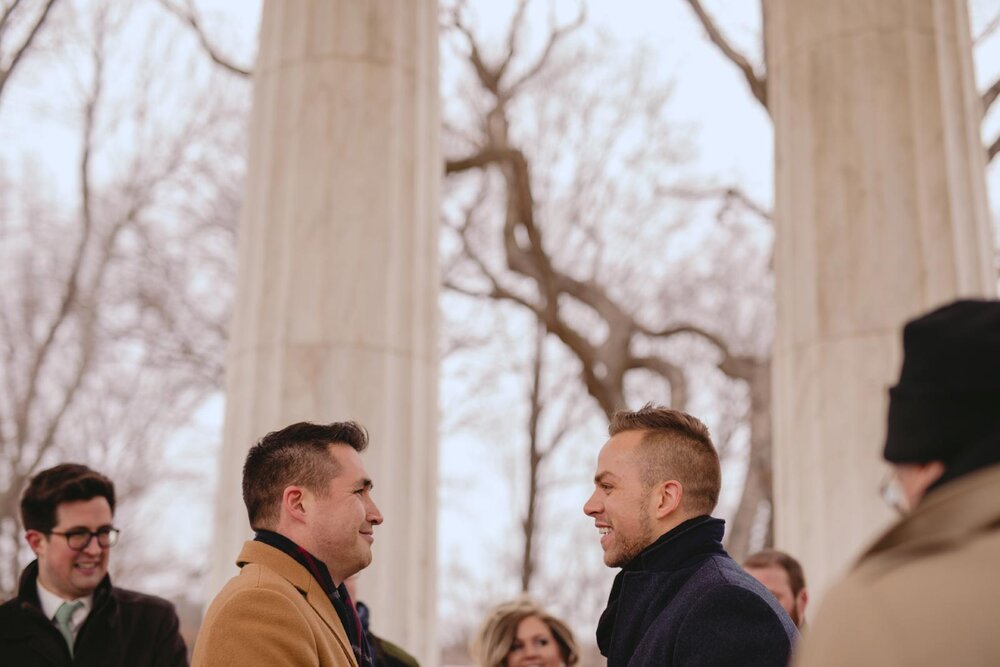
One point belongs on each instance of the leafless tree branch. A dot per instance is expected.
(72, 280)
(490, 78)
(990, 27)
(8, 11)
(22, 49)
(990, 96)
(189, 16)
(757, 83)
(512, 37)
(731, 194)
(556, 36)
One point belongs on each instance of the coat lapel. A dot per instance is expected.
(320, 602)
(946, 516)
(298, 576)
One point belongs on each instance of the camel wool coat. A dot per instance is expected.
(927, 592)
(273, 612)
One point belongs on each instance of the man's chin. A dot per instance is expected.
(88, 581)
(613, 559)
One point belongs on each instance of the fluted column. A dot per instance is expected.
(881, 213)
(336, 301)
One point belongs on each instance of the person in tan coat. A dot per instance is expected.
(309, 500)
(927, 592)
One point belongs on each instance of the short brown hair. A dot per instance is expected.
(675, 446)
(495, 638)
(296, 455)
(64, 483)
(773, 557)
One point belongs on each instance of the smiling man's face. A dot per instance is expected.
(68, 573)
(343, 520)
(620, 504)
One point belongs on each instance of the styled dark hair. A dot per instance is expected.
(64, 483)
(675, 445)
(296, 455)
(773, 557)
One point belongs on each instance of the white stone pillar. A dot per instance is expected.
(881, 213)
(336, 303)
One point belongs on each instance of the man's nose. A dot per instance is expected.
(93, 547)
(374, 515)
(592, 507)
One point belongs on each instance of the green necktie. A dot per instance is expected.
(63, 616)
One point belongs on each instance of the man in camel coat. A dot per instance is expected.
(927, 592)
(308, 498)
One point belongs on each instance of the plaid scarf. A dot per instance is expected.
(338, 594)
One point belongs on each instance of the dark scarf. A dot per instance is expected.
(689, 541)
(338, 594)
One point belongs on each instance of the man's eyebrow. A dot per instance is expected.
(365, 483)
(601, 477)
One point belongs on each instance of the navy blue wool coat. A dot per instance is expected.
(683, 601)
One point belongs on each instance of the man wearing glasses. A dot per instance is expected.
(927, 592)
(66, 611)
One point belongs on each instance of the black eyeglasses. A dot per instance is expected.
(79, 538)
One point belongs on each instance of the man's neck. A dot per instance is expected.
(50, 600)
(54, 592)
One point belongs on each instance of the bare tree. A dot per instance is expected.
(559, 255)
(756, 75)
(101, 360)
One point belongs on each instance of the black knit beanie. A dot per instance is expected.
(946, 406)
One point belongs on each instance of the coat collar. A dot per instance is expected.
(27, 588)
(26, 624)
(691, 540)
(298, 576)
(947, 514)
(653, 579)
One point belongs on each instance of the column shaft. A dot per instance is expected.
(881, 213)
(336, 302)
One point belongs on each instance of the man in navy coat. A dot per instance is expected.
(679, 598)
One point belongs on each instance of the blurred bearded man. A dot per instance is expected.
(927, 592)
(679, 598)
(782, 575)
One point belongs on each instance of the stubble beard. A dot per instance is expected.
(630, 547)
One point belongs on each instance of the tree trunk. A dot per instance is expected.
(758, 488)
(534, 461)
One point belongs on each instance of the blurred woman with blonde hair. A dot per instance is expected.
(519, 633)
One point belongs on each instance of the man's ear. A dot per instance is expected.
(668, 498)
(36, 540)
(802, 599)
(294, 502)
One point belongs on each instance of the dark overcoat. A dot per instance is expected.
(683, 601)
(123, 628)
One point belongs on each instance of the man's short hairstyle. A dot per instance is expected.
(64, 483)
(675, 445)
(297, 455)
(772, 558)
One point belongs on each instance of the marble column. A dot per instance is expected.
(881, 213)
(336, 302)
